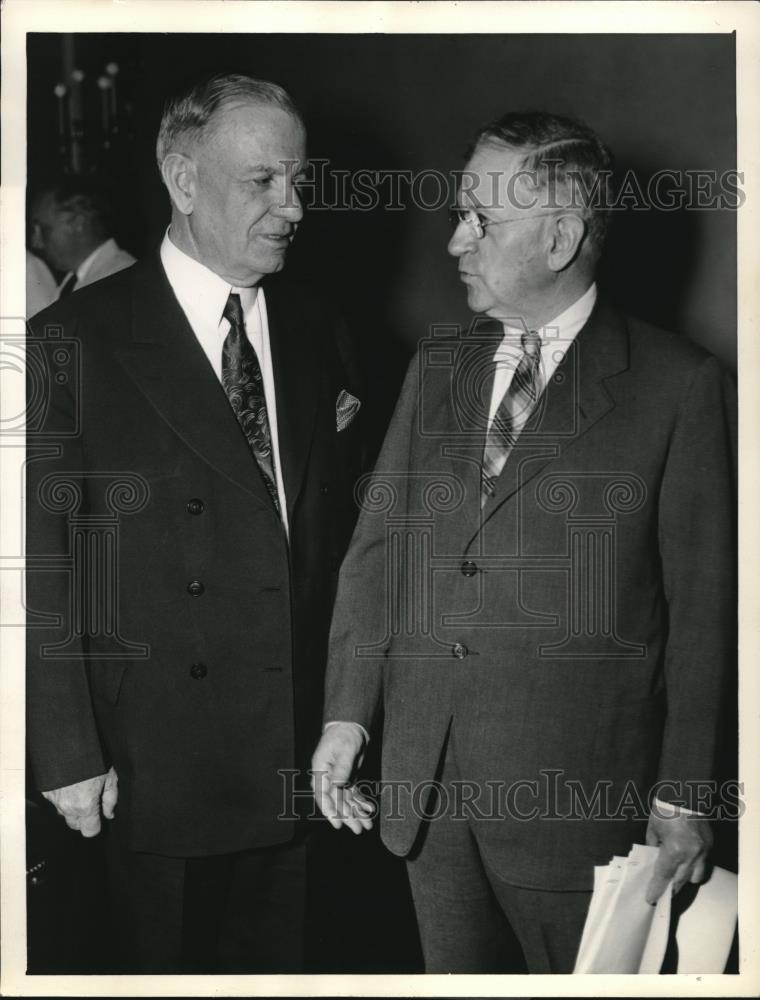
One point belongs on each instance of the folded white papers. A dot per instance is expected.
(706, 930)
(624, 934)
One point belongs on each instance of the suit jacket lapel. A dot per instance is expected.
(298, 371)
(576, 398)
(169, 366)
(456, 396)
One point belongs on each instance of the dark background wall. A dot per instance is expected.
(386, 102)
(404, 102)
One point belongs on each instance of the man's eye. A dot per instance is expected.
(263, 181)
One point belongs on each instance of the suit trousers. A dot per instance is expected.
(230, 913)
(472, 921)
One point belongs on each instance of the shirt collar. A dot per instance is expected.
(108, 246)
(569, 323)
(201, 292)
(559, 333)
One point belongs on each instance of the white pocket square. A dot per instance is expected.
(346, 408)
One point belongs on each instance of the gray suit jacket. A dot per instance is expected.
(580, 632)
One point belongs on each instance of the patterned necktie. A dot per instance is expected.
(244, 385)
(512, 415)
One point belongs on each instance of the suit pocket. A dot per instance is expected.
(106, 680)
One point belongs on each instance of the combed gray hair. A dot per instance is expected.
(580, 158)
(189, 115)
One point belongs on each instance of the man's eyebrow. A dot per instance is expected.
(279, 166)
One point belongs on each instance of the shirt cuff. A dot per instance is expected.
(339, 722)
(671, 809)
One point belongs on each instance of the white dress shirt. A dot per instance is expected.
(89, 262)
(202, 294)
(556, 338)
(41, 289)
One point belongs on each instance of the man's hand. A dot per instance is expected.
(80, 804)
(684, 841)
(338, 754)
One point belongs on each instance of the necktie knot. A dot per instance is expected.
(233, 311)
(531, 343)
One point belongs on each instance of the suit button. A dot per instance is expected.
(324, 489)
(459, 650)
(195, 588)
(198, 671)
(469, 568)
(195, 506)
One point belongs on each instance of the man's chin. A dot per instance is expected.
(264, 267)
(476, 302)
(272, 261)
(484, 305)
(273, 266)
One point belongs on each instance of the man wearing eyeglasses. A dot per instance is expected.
(539, 595)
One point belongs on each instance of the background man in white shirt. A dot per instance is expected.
(41, 288)
(72, 229)
(540, 592)
(211, 416)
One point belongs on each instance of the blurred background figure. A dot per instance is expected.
(72, 230)
(41, 287)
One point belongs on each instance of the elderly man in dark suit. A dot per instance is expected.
(539, 595)
(195, 489)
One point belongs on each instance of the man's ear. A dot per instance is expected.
(568, 235)
(179, 174)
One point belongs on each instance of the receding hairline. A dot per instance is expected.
(523, 152)
(239, 102)
(518, 156)
(549, 150)
(497, 145)
(172, 139)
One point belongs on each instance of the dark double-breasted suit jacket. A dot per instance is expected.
(579, 631)
(191, 637)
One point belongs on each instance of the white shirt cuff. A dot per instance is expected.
(671, 809)
(339, 722)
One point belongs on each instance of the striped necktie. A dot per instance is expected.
(512, 415)
(244, 385)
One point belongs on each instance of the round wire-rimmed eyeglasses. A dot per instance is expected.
(479, 223)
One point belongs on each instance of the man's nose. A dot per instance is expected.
(289, 206)
(462, 240)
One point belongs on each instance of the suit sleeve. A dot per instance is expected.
(698, 545)
(61, 732)
(354, 681)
